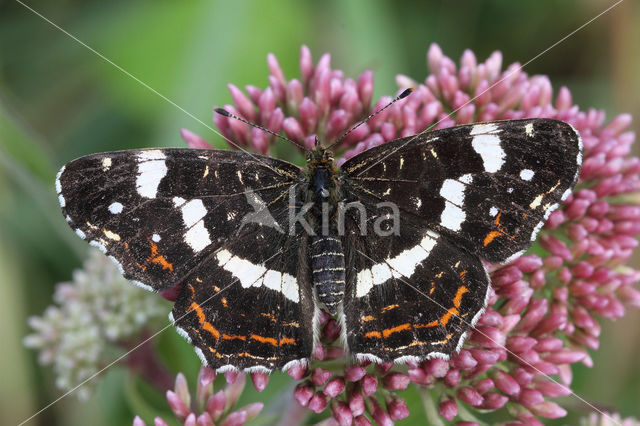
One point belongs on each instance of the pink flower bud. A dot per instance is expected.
(354, 373)
(303, 393)
(179, 408)
(505, 382)
(159, 422)
(319, 376)
(204, 419)
(448, 409)
(260, 380)
(549, 410)
(494, 401)
(334, 387)
(379, 415)
(341, 413)
(137, 421)
(216, 405)
(361, 421)
(194, 141)
(318, 402)
(237, 418)
(470, 396)
(530, 397)
(356, 401)
(396, 381)
(369, 384)
(397, 409)
(190, 420)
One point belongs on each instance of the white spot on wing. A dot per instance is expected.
(106, 164)
(453, 191)
(81, 234)
(529, 129)
(155, 238)
(526, 174)
(486, 143)
(151, 169)
(484, 128)
(250, 274)
(111, 235)
(493, 211)
(403, 265)
(193, 211)
(115, 208)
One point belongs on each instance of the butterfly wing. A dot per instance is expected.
(409, 296)
(488, 187)
(216, 221)
(159, 213)
(461, 194)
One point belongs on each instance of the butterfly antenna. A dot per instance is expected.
(226, 113)
(402, 95)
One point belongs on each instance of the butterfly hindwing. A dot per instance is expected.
(410, 296)
(158, 213)
(250, 309)
(488, 187)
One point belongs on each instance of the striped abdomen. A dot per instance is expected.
(327, 264)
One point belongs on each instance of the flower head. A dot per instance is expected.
(207, 407)
(95, 315)
(544, 307)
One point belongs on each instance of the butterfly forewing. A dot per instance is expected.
(488, 187)
(159, 213)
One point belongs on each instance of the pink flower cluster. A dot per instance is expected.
(216, 408)
(544, 308)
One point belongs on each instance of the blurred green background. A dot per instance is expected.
(58, 101)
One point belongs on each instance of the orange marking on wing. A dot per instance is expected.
(433, 288)
(444, 320)
(272, 341)
(490, 237)
(375, 334)
(206, 325)
(442, 342)
(224, 302)
(157, 258)
(463, 275)
(193, 290)
(287, 341)
(213, 351)
(458, 297)
(261, 339)
(390, 307)
(430, 324)
(389, 331)
(227, 337)
(291, 324)
(270, 316)
(126, 245)
(368, 318)
(216, 289)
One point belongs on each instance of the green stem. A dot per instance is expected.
(430, 408)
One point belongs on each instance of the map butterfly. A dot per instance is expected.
(390, 242)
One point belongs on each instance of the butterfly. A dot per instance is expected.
(390, 242)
